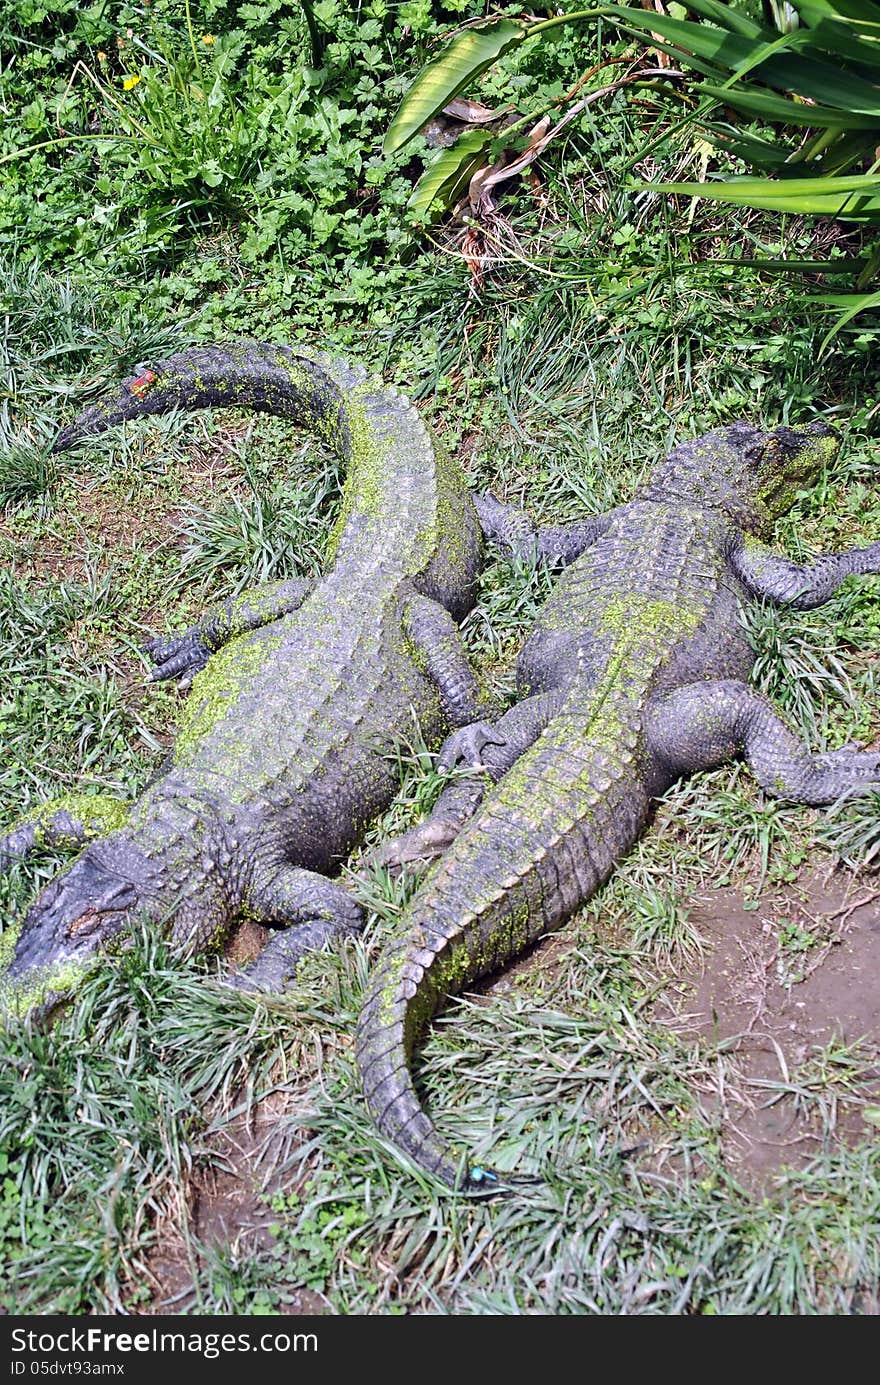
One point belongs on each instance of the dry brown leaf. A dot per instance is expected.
(473, 113)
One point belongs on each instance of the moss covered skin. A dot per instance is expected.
(285, 750)
(634, 673)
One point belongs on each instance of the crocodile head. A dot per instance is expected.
(751, 473)
(78, 915)
(89, 910)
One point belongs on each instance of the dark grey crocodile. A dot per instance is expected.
(634, 674)
(287, 746)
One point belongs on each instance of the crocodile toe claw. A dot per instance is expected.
(177, 658)
(467, 745)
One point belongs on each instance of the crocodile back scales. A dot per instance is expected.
(650, 605)
(287, 745)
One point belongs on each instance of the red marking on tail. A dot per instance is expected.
(142, 383)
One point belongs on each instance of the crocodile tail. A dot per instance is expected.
(415, 975)
(399, 1004)
(254, 375)
(541, 845)
(394, 468)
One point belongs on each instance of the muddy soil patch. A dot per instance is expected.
(789, 988)
(227, 1212)
(224, 1207)
(97, 523)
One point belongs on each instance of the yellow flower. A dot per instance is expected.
(208, 39)
(130, 82)
(102, 57)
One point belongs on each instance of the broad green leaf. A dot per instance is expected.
(821, 82)
(729, 18)
(469, 54)
(728, 50)
(449, 192)
(840, 41)
(856, 198)
(695, 64)
(851, 183)
(833, 153)
(856, 12)
(447, 168)
(771, 107)
(852, 302)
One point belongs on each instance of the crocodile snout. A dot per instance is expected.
(61, 937)
(794, 439)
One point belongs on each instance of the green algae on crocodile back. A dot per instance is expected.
(301, 692)
(634, 673)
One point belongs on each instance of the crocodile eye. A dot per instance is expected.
(755, 451)
(87, 923)
(122, 896)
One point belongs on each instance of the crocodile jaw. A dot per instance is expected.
(60, 939)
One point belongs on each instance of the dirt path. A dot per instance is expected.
(791, 988)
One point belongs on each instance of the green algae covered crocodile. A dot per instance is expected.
(634, 674)
(304, 691)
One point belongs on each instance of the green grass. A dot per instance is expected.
(609, 330)
(277, 528)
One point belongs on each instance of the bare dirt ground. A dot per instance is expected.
(792, 989)
(789, 989)
(226, 1212)
(226, 1205)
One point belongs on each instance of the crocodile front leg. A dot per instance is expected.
(70, 821)
(311, 910)
(185, 654)
(501, 745)
(802, 586)
(514, 532)
(435, 637)
(703, 725)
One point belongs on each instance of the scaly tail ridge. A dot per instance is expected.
(411, 981)
(253, 375)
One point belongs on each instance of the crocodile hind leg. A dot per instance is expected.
(492, 748)
(431, 630)
(184, 654)
(71, 821)
(703, 725)
(310, 910)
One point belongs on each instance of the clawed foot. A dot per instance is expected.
(467, 745)
(16, 845)
(272, 972)
(179, 656)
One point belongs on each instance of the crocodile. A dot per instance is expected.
(302, 693)
(634, 674)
